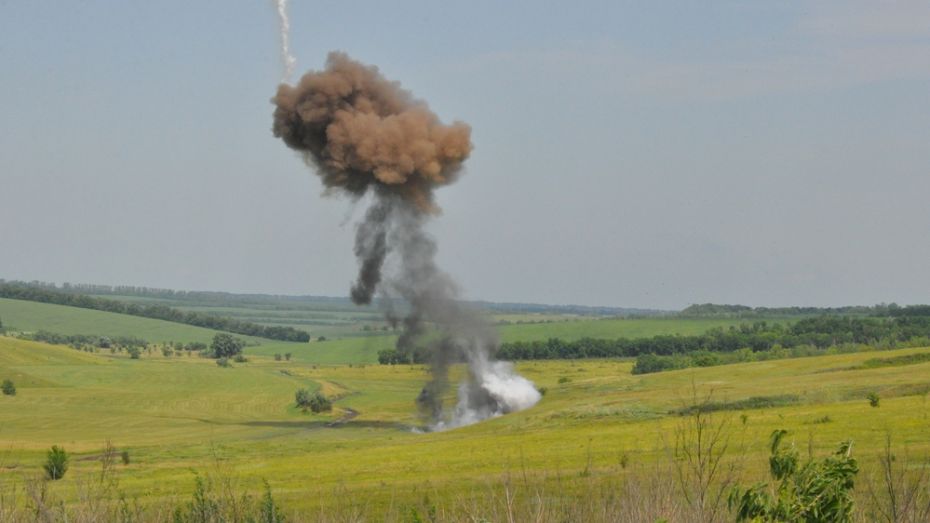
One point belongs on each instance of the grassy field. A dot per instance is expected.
(324, 317)
(33, 316)
(179, 415)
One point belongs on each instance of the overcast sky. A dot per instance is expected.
(648, 154)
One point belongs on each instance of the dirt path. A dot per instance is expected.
(347, 417)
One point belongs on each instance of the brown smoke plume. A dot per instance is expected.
(364, 133)
(360, 129)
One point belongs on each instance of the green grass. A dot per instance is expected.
(180, 414)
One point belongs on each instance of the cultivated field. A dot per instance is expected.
(597, 423)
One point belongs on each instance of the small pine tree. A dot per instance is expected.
(8, 388)
(56, 463)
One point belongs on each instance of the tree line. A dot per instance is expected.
(704, 310)
(46, 294)
(820, 332)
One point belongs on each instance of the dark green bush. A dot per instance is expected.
(320, 403)
(8, 388)
(302, 398)
(226, 346)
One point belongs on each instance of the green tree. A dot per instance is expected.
(8, 388)
(226, 346)
(56, 463)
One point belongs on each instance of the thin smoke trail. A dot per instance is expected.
(284, 26)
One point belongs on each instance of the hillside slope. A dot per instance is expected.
(33, 316)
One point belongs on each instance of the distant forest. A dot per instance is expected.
(742, 311)
(70, 296)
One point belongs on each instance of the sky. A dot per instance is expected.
(636, 154)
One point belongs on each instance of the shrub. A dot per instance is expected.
(134, 352)
(287, 356)
(816, 491)
(392, 357)
(316, 402)
(647, 363)
(56, 463)
(223, 362)
(277, 357)
(320, 403)
(564, 379)
(240, 358)
(269, 510)
(874, 399)
(8, 388)
(125, 457)
(302, 398)
(167, 352)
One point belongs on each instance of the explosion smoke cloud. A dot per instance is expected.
(365, 134)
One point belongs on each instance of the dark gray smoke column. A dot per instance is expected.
(365, 134)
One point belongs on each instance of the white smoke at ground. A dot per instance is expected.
(509, 392)
(284, 26)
